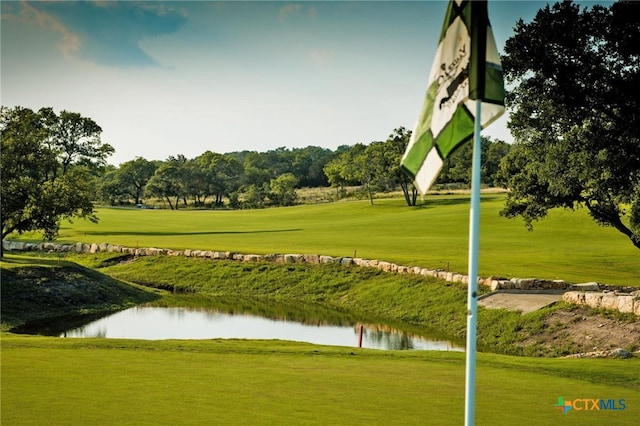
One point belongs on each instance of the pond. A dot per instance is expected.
(250, 320)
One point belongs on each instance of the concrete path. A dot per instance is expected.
(525, 302)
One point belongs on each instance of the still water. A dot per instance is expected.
(156, 323)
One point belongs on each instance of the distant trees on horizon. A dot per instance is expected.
(251, 179)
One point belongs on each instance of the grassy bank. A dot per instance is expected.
(567, 245)
(421, 305)
(36, 288)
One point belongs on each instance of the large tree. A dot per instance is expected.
(224, 174)
(283, 190)
(574, 75)
(41, 182)
(169, 181)
(129, 180)
(395, 146)
(75, 139)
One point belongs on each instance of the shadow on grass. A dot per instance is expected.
(13, 260)
(439, 202)
(160, 233)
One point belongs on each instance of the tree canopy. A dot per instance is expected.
(574, 75)
(46, 163)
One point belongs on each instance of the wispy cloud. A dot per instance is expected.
(69, 43)
(289, 10)
(106, 33)
(321, 56)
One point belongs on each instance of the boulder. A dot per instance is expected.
(609, 301)
(619, 353)
(312, 258)
(590, 286)
(625, 304)
(426, 272)
(528, 283)
(575, 297)
(293, 258)
(560, 285)
(593, 299)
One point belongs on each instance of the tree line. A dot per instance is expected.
(54, 166)
(250, 179)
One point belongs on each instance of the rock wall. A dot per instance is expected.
(621, 298)
(612, 300)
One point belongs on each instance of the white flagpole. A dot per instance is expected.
(472, 292)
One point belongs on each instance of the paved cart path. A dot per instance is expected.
(525, 302)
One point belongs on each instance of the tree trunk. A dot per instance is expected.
(615, 222)
(169, 201)
(410, 199)
(370, 193)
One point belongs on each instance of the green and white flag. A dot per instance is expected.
(466, 67)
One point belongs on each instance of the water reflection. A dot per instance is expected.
(160, 322)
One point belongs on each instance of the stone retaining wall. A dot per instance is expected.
(620, 301)
(627, 302)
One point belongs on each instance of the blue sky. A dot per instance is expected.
(184, 77)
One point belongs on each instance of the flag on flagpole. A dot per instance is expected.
(466, 67)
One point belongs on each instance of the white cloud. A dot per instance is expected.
(289, 10)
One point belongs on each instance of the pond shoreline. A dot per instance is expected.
(424, 302)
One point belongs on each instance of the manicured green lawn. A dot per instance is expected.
(567, 245)
(104, 381)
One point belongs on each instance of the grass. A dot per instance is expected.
(567, 245)
(110, 381)
(35, 288)
(105, 381)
